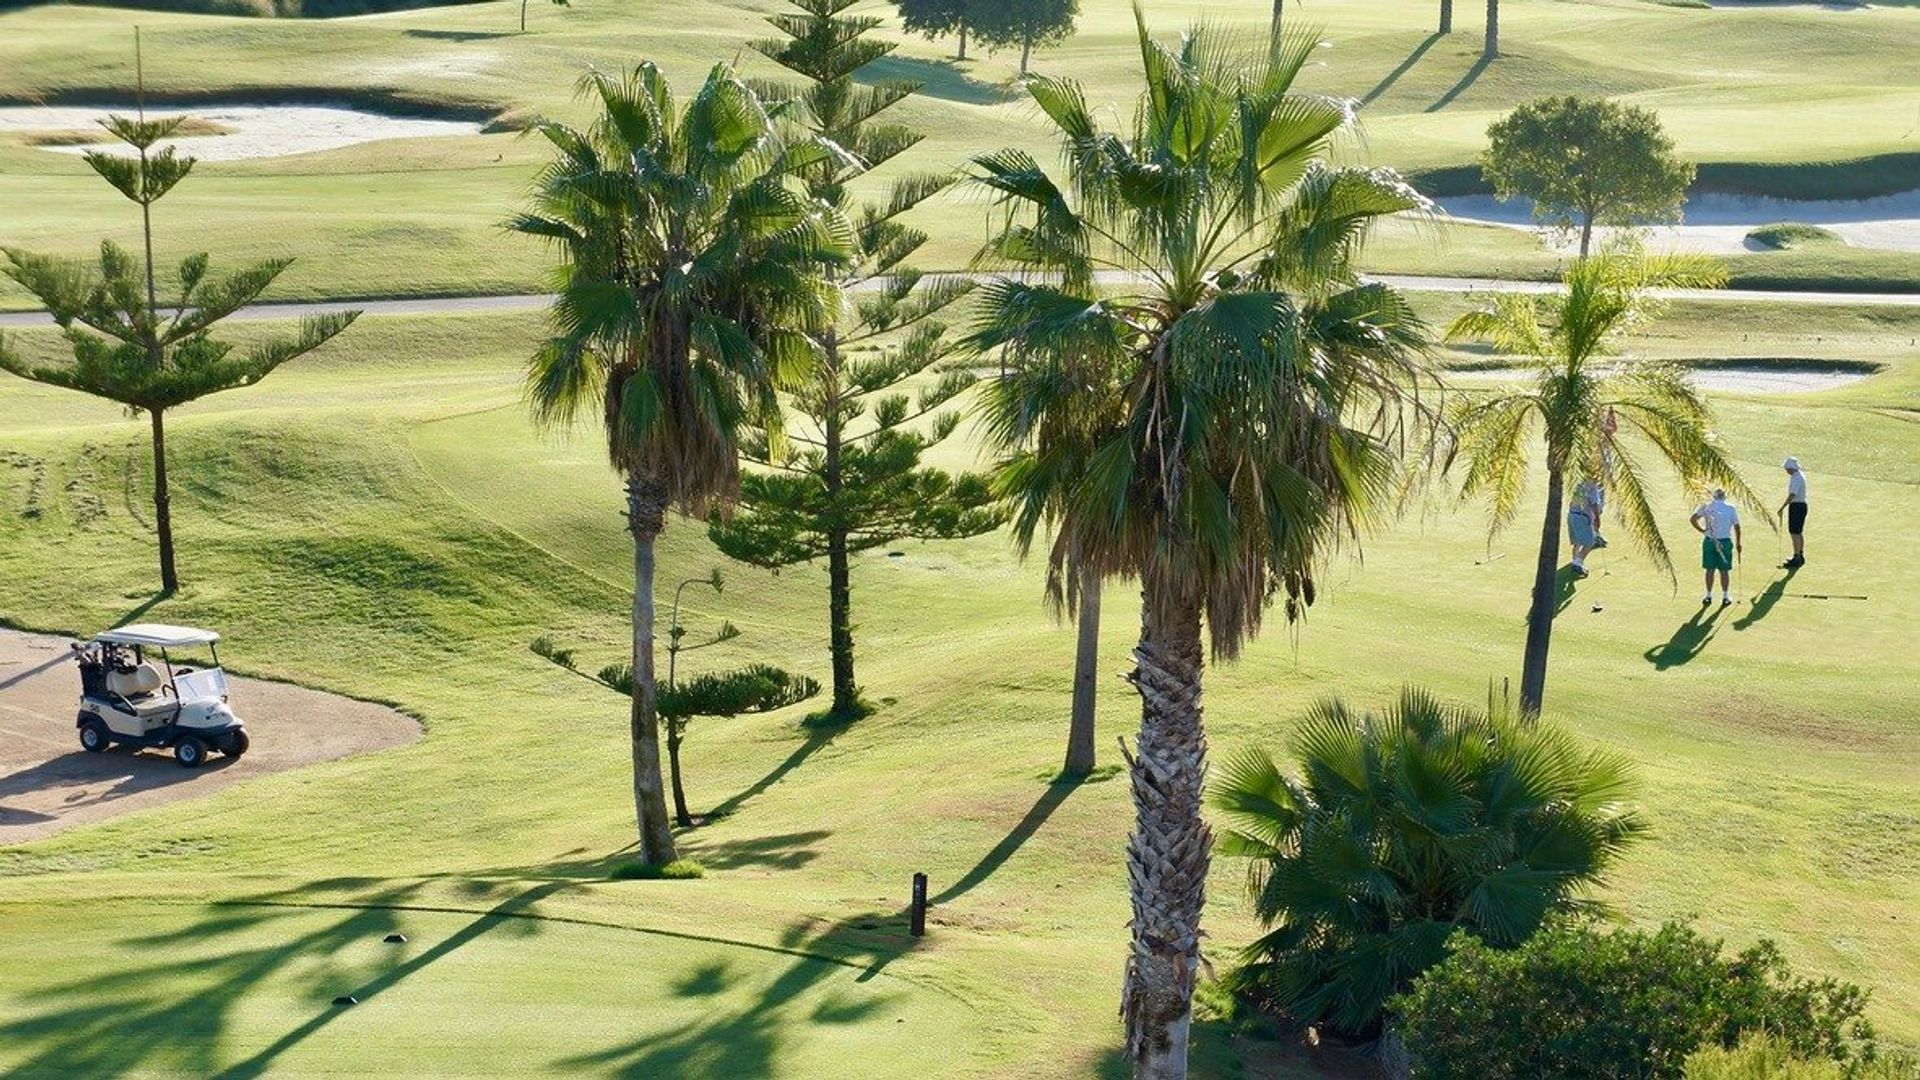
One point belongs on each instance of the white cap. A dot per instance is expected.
(1792, 464)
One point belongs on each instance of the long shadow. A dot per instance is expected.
(1762, 605)
(1565, 585)
(787, 851)
(59, 658)
(1467, 80)
(1688, 641)
(941, 79)
(142, 608)
(1042, 809)
(458, 35)
(816, 739)
(129, 772)
(1406, 65)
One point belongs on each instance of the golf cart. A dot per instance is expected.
(124, 697)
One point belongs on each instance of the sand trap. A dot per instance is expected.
(254, 131)
(47, 783)
(1732, 378)
(1718, 224)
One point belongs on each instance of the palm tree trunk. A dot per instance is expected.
(1026, 50)
(1278, 13)
(1492, 48)
(1167, 854)
(1533, 666)
(162, 514)
(846, 694)
(646, 516)
(963, 40)
(1086, 665)
(1446, 16)
(681, 815)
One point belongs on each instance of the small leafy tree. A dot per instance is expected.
(126, 347)
(850, 477)
(1586, 161)
(1026, 23)
(936, 18)
(1401, 828)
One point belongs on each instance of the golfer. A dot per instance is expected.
(1719, 526)
(1795, 509)
(1583, 523)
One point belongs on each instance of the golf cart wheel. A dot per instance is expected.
(235, 744)
(190, 752)
(93, 736)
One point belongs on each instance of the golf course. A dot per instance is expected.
(386, 520)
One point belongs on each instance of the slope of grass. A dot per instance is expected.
(381, 520)
(1763, 90)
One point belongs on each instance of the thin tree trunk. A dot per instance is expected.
(1546, 580)
(646, 516)
(1279, 14)
(1086, 666)
(1026, 50)
(963, 40)
(162, 515)
(681, 814)
(1446, 16)
(523, 16)
(1586, 233)
(1492, 48)
(846, 693)
(1167, 853)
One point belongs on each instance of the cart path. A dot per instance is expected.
(47, 783)
(523, 302)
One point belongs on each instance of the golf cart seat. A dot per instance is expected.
(136, 682)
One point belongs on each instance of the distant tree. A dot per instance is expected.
(1587, 161)
(1596, 423)
(1026, 23)
(692, 274)
(936, 18)
(1399, 828)
(849, 477)
(128, 349)
(523, 12)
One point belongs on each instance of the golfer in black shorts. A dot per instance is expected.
(1795, 508)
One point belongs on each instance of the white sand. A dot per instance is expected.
(1737, 379)
(1718, 224)
(257, 131)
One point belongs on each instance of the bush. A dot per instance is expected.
(1609, 1004)
(677, 870)
(1403, 828)
(1763, 1057)
(1786, 234)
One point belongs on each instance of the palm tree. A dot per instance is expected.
(691, 275)
(1401, 828)
(1579, 406)
(1210, 420)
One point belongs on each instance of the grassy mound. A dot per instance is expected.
(1790, 234)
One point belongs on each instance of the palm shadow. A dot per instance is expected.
(1467, 80)
(1762, 605)
(1037, 815)
(1406, 65)
(1688, 641)
(786, 851)
(817, 738)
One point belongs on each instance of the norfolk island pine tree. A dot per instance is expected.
(692, 274)
(1261, 388)
(841, 487)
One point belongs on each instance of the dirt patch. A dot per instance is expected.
(47, 783)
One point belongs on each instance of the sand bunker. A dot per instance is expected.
(47, 783)
(1718, 224)
(1757, 378)
(251, 131)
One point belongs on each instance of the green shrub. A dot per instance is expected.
(677, 870)
(1786, 234)
(1402, 828)
(1763, 1057)
(1609, 1004)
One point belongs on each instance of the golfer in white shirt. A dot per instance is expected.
(1719, 526)
(1795, 509)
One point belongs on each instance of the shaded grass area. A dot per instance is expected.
(380, 519)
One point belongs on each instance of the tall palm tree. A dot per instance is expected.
(692, 273)
(1598, 422)
(1402, 827)
(1210, 420)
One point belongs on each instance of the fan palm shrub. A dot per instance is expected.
(1598, 418)
(1198, 392)
(693, 271)
(1399, 828)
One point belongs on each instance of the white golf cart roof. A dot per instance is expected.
(157, 634)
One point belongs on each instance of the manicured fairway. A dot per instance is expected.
(382, 521)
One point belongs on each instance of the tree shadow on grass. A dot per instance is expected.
(1688, 641)
(817, 738)
(1042, 809)
(941, 79)
(785, 851)
(1467, 80)
(1406, 65)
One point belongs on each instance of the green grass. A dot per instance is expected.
(1816, 101)
(381, 520)
(1788, 234)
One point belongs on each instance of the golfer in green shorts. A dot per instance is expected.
(1719, 526)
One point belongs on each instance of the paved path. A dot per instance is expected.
(463, 305)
